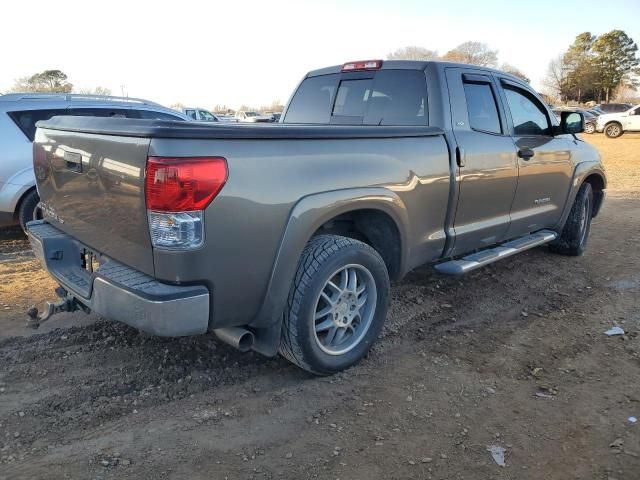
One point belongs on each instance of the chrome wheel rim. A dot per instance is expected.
(344, 309)
(614, 131)
(589, 128)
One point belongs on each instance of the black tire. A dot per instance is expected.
(575, 234)
(589, 128)
(322, 257)
(28, 209)
(613, 130)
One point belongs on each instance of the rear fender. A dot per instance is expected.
(307, 216)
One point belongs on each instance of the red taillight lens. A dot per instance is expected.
(363, 65)
(183, 184)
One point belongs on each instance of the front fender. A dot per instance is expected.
(306, 217)
(581, 172)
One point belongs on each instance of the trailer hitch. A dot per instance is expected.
(67, 303)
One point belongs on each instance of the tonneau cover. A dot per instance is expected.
(233, 131)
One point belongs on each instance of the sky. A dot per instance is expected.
(204, 53)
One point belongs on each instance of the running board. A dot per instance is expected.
(490, 255)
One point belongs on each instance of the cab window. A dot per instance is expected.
(528, 115)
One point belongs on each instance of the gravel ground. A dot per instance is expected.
(511, 356)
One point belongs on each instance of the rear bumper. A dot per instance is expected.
(118, 292)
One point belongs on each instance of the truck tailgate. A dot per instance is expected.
(92, 188)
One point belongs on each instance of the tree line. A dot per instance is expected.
(53, 81)
(593, 68)
(472, 53)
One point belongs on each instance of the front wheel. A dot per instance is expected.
(575, 234)
(337, 305)
(589, 128)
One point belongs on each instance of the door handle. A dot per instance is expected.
(460, 156)
(526, 153)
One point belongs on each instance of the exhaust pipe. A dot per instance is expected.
(237, 337)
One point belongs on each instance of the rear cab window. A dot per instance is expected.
(383, 97)
(482, 107)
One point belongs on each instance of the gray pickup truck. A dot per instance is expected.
(284, 237)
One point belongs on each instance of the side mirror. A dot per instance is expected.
(571, 122)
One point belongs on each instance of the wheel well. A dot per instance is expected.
(22, 199)
(612, 122)
(373, 227)
(597, 184)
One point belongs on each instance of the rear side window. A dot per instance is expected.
(388, 97)
(152, 115)
(191, 113)
(482, 108)
(98, 112)
(26, 119)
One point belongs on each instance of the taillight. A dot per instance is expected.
(362, 65)
(177, 190)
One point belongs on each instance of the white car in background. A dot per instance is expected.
(615, 124)
(253, 117)
(19, 113)
(200, 115)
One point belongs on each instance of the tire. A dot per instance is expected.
(28, 209)
(589, 128)
(575, 234)
(306, 339)
(613, 130)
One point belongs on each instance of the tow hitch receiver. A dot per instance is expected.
(67, 303)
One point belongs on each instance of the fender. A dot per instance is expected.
(582, 171)
(15, 187)
(305, 218)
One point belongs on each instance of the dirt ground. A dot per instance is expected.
(512, 356)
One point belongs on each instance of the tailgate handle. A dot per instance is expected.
(74, 161)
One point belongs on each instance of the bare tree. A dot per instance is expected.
(413, 53)
(474, 53)
(95, 91)
(506, 67)
(177, 106)
(554, 80)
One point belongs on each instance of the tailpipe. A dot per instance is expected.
(237, 337)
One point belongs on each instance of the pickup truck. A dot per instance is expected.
(284, 237)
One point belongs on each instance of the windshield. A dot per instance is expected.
(386, 97)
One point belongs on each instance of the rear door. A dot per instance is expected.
(632, 120)
(487, 164)
(544, 160)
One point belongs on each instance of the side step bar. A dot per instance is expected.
(490, 255)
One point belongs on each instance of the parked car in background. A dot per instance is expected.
(615, 124)
(276, 116)
(613, 107)
(252, 117)
(590, 117)
(284, 237)
(200, 114)
(19, 113)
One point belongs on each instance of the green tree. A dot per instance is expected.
(49, 81)
(614, 57)
(473, 53)
(413, 53)
(578, 61)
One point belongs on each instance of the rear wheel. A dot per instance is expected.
(337, 305)
(575, 234)
(613, 130)
(29, 209)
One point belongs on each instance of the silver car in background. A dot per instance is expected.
(19, 113)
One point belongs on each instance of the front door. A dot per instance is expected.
(487, 164)
(544, 161)
(632, 121)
